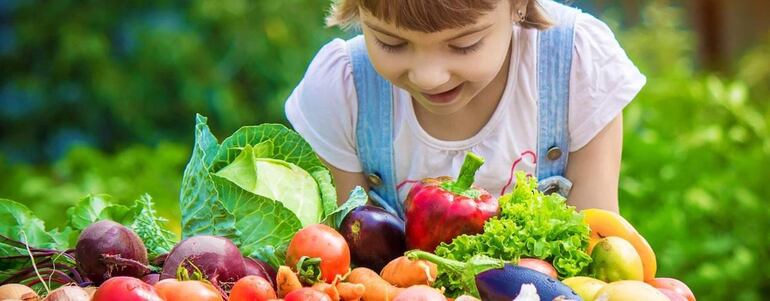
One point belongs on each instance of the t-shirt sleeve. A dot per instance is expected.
(323, 107)
(603, 80)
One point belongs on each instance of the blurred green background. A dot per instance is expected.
(100, 97)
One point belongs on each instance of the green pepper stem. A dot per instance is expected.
(471, 165)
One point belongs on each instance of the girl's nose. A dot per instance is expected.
(428, 76)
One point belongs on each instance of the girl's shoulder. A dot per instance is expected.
(323, 106)
(603, 80)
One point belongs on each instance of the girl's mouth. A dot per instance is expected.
(444, 97)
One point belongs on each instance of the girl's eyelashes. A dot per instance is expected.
(398, 47)
(389, 47)
(467, 49)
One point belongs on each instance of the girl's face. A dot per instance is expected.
(445, 70)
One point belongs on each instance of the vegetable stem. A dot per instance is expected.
(466, 270)
(470, 166)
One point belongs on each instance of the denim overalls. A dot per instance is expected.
(374, 130)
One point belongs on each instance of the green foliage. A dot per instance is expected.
(49, 190)
(135, 68)
(20, 224)
(695, 158)
(696, 146)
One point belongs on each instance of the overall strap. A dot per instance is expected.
(554, 61)
(374, 129)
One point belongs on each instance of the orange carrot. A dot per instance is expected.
(351, 291)
(328, 289)
(377, 289)
(286, 281)
(403, 272)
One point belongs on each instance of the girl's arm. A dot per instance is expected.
(345, 181)
(594, 169)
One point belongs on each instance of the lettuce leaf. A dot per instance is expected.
(530, 224)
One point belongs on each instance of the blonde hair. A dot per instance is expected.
(430, 15)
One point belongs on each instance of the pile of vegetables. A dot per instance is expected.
(529, 225)
(260, 221)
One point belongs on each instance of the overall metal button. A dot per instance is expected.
(553, 188)
(374, 180)
(553, 153)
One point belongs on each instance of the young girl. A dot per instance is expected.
(525, 84)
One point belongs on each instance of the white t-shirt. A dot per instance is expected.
(323, 109)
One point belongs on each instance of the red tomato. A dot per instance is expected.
(175, 290)
(252, 288)
(125, 288)
(675, 285)
(541, 266)
(321, 241)
(307, 294)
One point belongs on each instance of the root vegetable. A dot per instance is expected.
(350, 291)
(68, 293)
(377, 289)
(15, 291)
(106, 249)
(403, 272)
(286, 281)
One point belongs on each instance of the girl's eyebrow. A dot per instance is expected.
(466, 32)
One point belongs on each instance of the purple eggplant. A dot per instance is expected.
(375, 236)
(504, 284)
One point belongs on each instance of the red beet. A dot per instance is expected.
(216, 257)
(107, 249)
(260, 268)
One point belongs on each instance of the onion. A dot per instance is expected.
(16, 291)
(68, 293)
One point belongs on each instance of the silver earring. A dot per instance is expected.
(521, 15)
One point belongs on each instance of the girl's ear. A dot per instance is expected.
(519, 11)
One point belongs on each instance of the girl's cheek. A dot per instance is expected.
(390, 66)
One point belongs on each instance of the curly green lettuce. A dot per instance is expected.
(530, 224)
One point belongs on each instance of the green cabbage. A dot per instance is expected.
(258, 187)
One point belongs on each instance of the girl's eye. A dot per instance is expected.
(389, 47)
(467, 49)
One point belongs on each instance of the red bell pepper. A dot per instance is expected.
(439, 209)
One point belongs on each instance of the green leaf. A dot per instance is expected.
(20, 224)
(202, 211)
(87, 211)
(120, 214)
(276, 180)
(357, 198)
(265, 225)
(148, 226)
(287, 146)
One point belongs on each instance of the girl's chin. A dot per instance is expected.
(444, 108)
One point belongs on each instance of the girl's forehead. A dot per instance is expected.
(429, 16)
